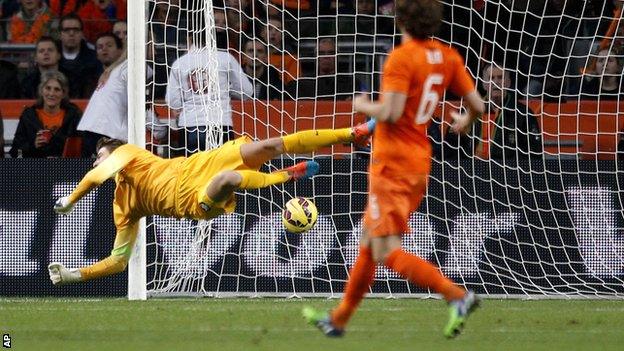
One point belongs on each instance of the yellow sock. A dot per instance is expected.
(311, 140)
(257, 180)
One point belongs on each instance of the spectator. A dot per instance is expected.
(99, 15)
(226, 33)
(9, 82)
(30, 23)
(106, 114)
(294, 7)
(108, 48)
(221, 32)
(280, 54)
(246, 10)
(375, 20)
(604, 79)
(335, 7)
(558, 39)
(325, 84)
(164, 17)
(120, 29)
(190, 94)
(44, 127)
(368, 21)
(235, 26)
(60, 8)
(78, 60)
(47, 58)
(265, 78)
(107, 111)
(514, 132)
(614, 36)
(7, 9)
(167, 23)
(167, 35)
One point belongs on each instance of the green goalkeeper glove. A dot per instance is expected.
(59, 275)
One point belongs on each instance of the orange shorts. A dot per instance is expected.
(391, 201)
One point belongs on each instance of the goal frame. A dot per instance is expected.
(137, 34)
(137, 278)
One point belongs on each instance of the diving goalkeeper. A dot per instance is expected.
(198, 187)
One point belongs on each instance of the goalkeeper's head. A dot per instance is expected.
(104, 147)
(421, 19)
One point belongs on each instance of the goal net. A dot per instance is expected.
(527, 204)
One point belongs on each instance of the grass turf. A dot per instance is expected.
(276, 324)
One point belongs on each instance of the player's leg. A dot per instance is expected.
(257, 153)
(426, 275)
(222, 186)
(361, 277)
(394, 200)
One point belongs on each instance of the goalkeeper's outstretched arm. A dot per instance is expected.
(115, 263)
(106, 166)
(90, 181)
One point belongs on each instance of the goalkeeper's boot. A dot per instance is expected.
(59, 275)
(322, 321)
(303, 170)
(459, 310)
(362, 133)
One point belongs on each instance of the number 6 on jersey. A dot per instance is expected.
(429, 98)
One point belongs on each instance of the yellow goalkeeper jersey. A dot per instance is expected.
(150, 185)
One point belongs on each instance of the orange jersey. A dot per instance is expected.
(423, 70)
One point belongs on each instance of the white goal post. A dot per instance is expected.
(530, 204)
(137, 10)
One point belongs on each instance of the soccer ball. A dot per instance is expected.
(299, 215)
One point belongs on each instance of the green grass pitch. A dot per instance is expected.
(276, 324)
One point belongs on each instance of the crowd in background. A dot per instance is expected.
(316, 49)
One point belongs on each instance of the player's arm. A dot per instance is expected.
(389, 109)
(463, 85)
(115, 263)
(395, 88)
(95, 177)
(462, 122)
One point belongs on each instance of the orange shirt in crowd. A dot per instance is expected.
(63, 7)
(286, 64)
(51, 121)
(96, 20)
(28, 30)
(293, 4)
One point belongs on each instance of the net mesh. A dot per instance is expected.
(528, 203)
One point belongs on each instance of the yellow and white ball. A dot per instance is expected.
(299, 215)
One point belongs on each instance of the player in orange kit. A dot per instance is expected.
(415, 76)
(199, 187)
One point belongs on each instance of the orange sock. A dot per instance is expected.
(423, 274)
(361, 277)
